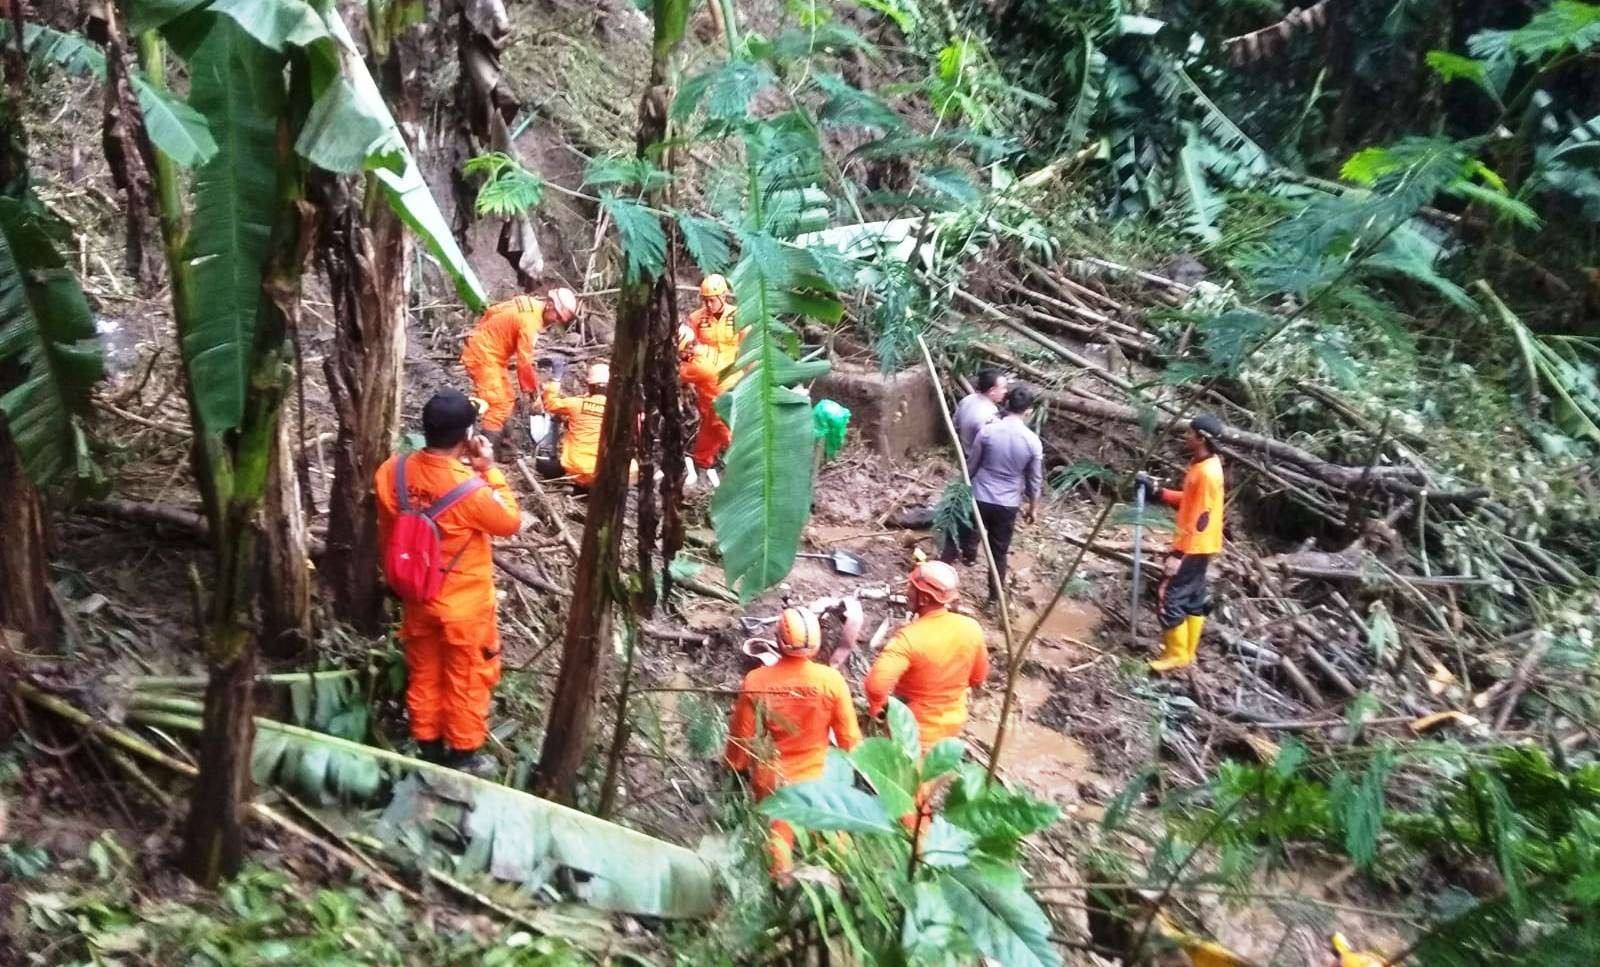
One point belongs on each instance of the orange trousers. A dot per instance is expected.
(454, 666)
(489, 383)
(714, 435)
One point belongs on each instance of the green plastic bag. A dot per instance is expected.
(829, 420)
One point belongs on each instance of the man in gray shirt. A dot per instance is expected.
(1006, 462)
(975, 411)
(979, 408)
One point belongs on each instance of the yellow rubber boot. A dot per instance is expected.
(1175, 652)
(1193, 624)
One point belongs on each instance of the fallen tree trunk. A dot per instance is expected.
(1398, 480)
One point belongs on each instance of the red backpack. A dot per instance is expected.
(411, 560)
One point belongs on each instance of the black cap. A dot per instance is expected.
(447, 415)
(1207, 426)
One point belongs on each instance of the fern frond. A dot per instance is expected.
(508, 188)
(630, 170)
(706, 241)
(644, 244)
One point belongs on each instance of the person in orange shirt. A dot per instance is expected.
(580, 444)
(706, 364)
(1183, 604)
(452, 643)
(506, 334)
(794, 705)
(931, 662)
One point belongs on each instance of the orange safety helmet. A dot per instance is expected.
(936, 579)
(799, 632)
(599, 374)
(714, 286)
(563, 302)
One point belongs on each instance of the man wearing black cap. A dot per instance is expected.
(1183, 597)
(450, 635)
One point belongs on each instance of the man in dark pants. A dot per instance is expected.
(1006, 463)
(975, 411)
(1184, 603)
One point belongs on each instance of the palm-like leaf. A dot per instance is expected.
(47, 335)
(765, 498)
(237, 85)
(174, 127)
(523, 837)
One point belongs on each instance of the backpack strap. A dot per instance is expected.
(401, 497)
(457, 493)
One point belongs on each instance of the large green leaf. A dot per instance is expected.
(397, 171)
(277, 24)
(237, 84)
(47, 335)
(613, 867)
(891, 772)
(152, 14)
(175, 128)
(1000, 917)
(764, 501)
(827, 807)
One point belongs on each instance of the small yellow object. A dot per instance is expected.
(918, 555)
(1349, 957)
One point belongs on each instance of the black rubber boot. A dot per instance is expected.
(473, 761)
(431, 750)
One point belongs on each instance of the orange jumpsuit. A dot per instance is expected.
(717, 349)
(506, 333)
(580, 444)
(930, 664)
(1199, 506)
(797, 702)
(452, 643)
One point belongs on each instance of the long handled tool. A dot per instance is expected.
(1138, 555)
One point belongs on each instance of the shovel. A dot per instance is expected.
(843, 562)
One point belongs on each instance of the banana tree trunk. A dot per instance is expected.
(127, 149)
(286, 629)
(366, 254)
(24, 523)
(597, 585)
(485, 105)
(24, 551)
(213, 841)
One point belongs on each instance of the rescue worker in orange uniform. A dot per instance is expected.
(794, 705)
(1183, 600)
(716, 331)
(931, 662)
(452, 643)
(583, 415)
(504, 336)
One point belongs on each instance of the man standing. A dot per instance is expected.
(933, 660)
(1183, 604)
(451, 639)
(981, 407)
(705, 366)
(795, 705)
(975, 411)
(1006, 463)
(580, 443)
(506, 334)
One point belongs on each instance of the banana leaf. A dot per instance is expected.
(47, 336)
(237, 85)
(358, 121)
(175, 128)
(764, 501)
(514, 835)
